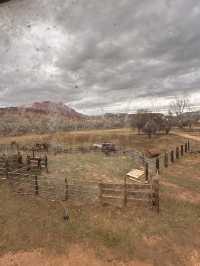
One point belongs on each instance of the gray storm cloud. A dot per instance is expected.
(99, 56)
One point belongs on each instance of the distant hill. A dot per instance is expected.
(58, 108)
(46, 107)
(40, 117)
(45, 117)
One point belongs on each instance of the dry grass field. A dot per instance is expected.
(89, 167)
(125, 137)
(33, 231)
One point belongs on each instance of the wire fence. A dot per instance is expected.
(28, 179)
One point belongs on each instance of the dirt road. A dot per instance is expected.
(186, 135)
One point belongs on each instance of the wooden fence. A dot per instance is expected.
(127, 193)
(37, 162)
(25, 178)
(15, 164)
(9, 163)
(25, 182)
(154, 165)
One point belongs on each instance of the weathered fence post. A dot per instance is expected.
(125, 192)
(146, 171)
(155, 188)
(36, 186)
(28, 160)
(100, 193)
(7, 168)
(19, 158)
(186, 147)
(182, 150)
(157, 165)
(17, 147)
(166, 159)
(177, 153)
(66, 190)
(33, 153)
(172, 156)
(46, 163)
(39, 164)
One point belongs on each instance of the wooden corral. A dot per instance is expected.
(10, 162)
(129, 193)
(27, 175)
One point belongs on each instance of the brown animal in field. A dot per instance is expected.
(152, 153)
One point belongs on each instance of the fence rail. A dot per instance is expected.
(27, 182)
(127, 193)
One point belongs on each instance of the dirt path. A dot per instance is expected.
(187, 136)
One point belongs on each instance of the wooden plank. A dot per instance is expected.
(136, 173)
(139, 192)
(113, 192)
(121, 186)
(111, 197)
(138, 199)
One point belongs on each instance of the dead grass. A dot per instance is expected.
(124, 137)
(97, 235)
(89, 167)
(184, 174)
(78, 255)
(114, 235)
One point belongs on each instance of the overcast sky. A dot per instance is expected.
(100, 55)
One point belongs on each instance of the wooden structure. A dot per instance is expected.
(166, 160)
(138, 186)
(134, 192)
(37, 162)
(9, 163)
(21, 174)
(162, 161)
(136, 175)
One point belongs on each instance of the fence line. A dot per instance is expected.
(24, 181)
(154, 165)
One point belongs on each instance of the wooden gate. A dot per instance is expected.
(127, 193)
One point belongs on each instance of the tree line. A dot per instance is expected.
(179, 115)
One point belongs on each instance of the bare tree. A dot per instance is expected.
(140, 119)
(178, 107)
(150, 128)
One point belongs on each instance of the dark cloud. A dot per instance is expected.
(99, 56)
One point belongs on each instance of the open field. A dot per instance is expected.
(184, 178)
(127, 138)
(131, 234)
(33, 230)
(89, 167)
